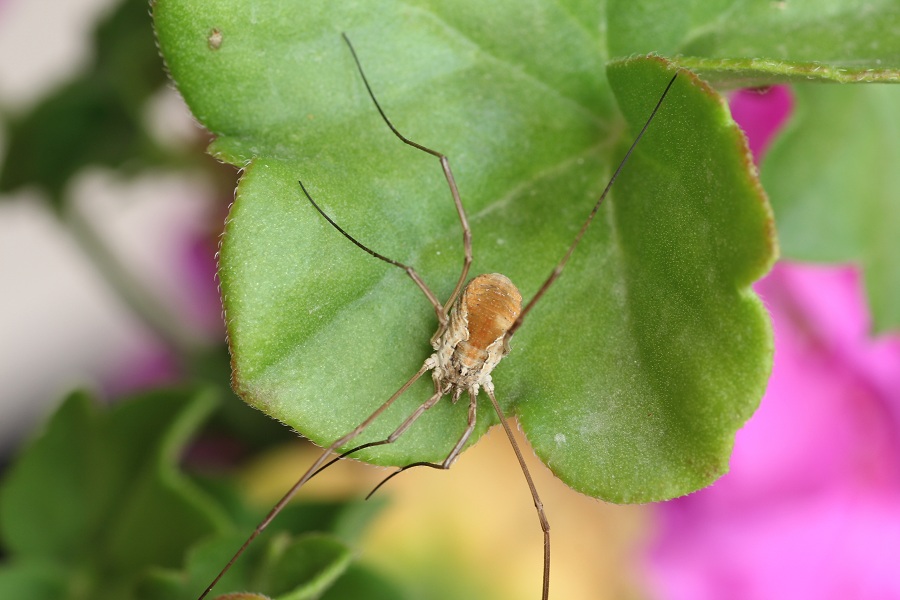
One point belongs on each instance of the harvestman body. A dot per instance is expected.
(474, 329)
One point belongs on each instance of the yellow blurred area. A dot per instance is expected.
(473, 531)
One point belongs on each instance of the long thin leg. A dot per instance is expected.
(451, 458)
(448, 175)
(557, 271)
(400, 430)
(545, 524)
(438, 307)
(391, 438)
(312, 471)
(454, 454)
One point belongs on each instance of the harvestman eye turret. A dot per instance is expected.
(474, 329)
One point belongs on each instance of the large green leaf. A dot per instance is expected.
(632, 374)
(674, 357)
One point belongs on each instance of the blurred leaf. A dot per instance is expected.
(96, 507)
(162, 508)
(32, 579)
(834, 183)
(361, 582)
(632, 375)
(356, 517)
(307, 567)
(59, 464)
(285, 568)
(101, 490)
(204, 560)
(96, 119)
(346, 519)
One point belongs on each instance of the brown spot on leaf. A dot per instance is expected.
(215, 39)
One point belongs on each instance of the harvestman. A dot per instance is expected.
(474, 329)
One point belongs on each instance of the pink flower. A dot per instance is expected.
(811, 507)
(761, 114)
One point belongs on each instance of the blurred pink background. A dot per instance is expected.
(811, 507)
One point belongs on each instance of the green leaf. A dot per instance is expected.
(264, 561)
(33, 521)
(763, 42)
(33, 580)
(308, 567)
(100, 489)
(161, 511)
(833, 179)
(761, 72)
(654, 384)
(132, 526)
(631, 375)
(362, 582)
(284, 567)
(204, 561)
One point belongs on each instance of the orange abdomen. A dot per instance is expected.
(492, 304)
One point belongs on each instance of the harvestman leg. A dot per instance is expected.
(557, 271)
(538, 505)
(454, 191)
(413, 274)
(444, 465)
(313, 469)
(447, 462)
(454, 454)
